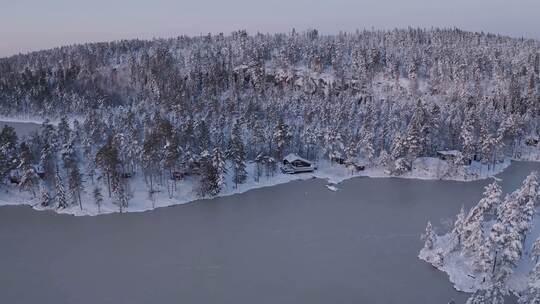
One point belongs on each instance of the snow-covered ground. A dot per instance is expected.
(461, 272)
(37, 120)
(469, 251)
(423, 168)
(24, 119)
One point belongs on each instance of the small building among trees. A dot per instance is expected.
(293, 163)
(456, 157)
(532, 141)
(449, 155)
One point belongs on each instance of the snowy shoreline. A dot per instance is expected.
(423, 169)
(494, 248)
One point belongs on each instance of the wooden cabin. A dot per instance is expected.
(293, 163)
(532, 141)
(455, 155)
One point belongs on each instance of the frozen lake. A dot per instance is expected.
(292, 243)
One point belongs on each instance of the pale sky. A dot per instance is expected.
(27, 25)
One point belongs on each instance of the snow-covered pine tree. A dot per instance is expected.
(218, 162)
(76, 185)
(487, 145)
(527, 198)
(457, 230)
(429, 237)
(237, 155)
(64, 131)
(398, 148)
(351, 152)
(508, 233)
(414, 141)
(61, 200)
(259, 163)
(482, 257)
(282, 137)
(384, 159)
(45, 197)
(532, 294)
(48, 161)
(478, 297)
(8, 151)
(107, 160)
(535, 251)
(467, 139)
(120, 195)
(29, 178)
(98, 197)
(493, 295)
(472, 225)
(170, 161)
(208, 182)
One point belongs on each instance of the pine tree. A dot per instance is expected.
(209, 179)
(493, 295)
(237, 155)
(8, 151)
(429, 237)
(351, 151)
(282, 137)
(61, 201)
(457, 231)
(467, 137)
(532, 294)
(98, 198)
(414, 141)
(64, 131)
(218, 162)
(506, 239)
(203, 136)
(478, 297)
(107, 160)
(473, 223)
(398, 148)
(170, 160)
(384, 159)
(29, 180)
(68, 154)
(535, 251)
(333, 145)
(483, 259)
(527, 198)
(259, 163)
(45, 197)
(75, 184)
(121, 198)
(487, 145)
(48, 161)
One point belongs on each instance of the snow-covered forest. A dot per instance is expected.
(220, 111)
(494, 248)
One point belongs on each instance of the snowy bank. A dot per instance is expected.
(460, 268)
(494, 245)
(423, 168)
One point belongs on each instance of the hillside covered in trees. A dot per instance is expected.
(216, 106)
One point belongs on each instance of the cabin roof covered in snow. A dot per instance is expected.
(292, 157)
(450, 153)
